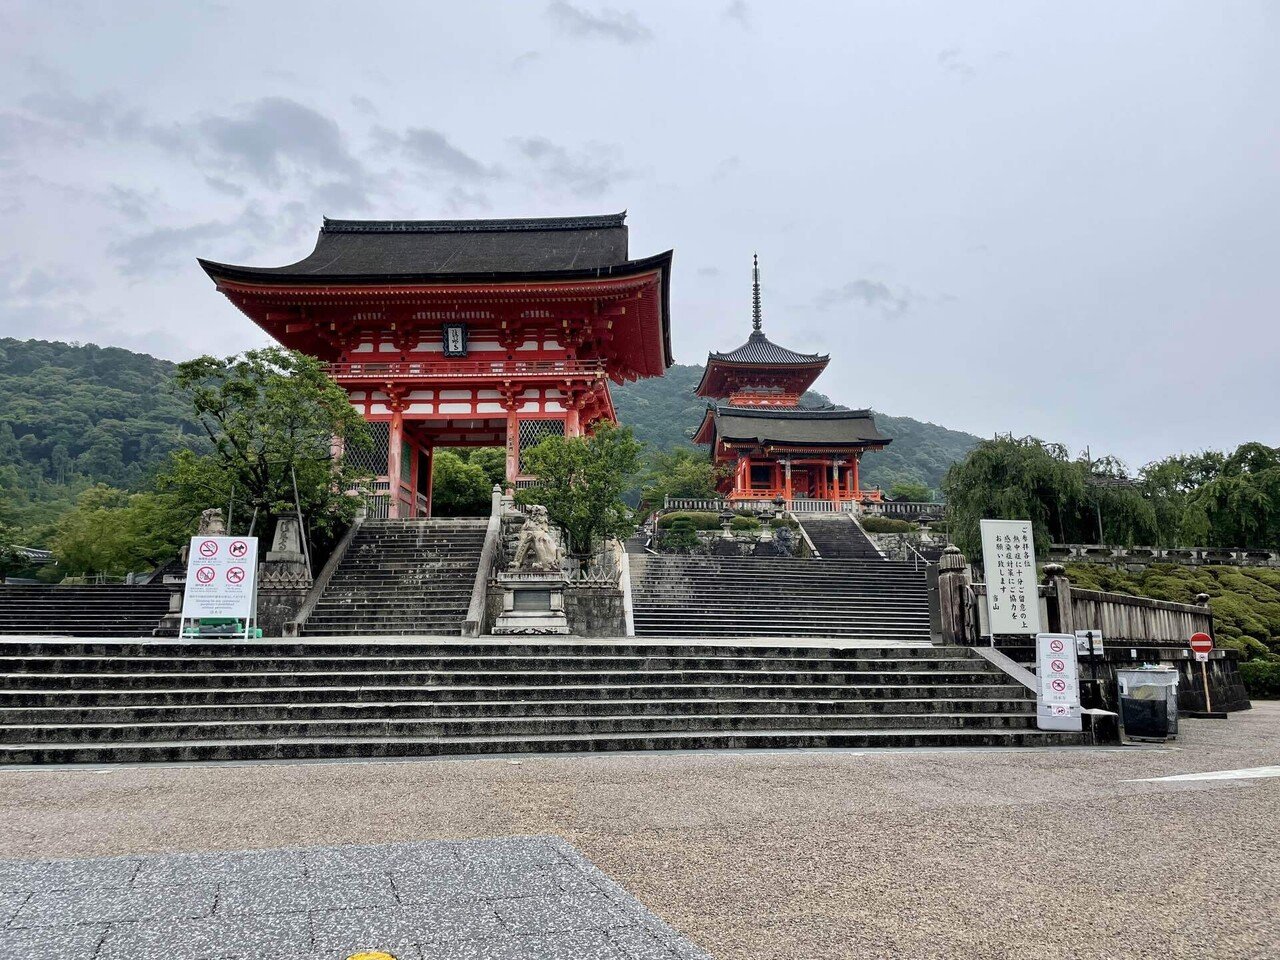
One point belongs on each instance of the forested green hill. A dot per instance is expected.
(72, 415)
(664, 412)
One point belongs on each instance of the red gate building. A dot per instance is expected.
(771, 446)
(456, 333)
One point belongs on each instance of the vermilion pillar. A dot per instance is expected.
(395, 440)
(513, 445)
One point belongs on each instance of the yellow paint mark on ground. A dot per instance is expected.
(371, 955)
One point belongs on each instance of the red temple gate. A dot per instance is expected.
(466, 333)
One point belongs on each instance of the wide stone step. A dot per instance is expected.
(816, 678)
(249, 662)
(503, 726)
(295, 748)
(465, 693)
(548, 647)
(409, 710)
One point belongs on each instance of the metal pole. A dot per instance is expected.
(306, 551)
(1204, 677)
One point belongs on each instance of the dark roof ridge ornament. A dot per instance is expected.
(755, 293)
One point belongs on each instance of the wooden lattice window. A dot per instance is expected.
(533, 432)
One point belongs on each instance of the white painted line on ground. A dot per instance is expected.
(1248, 773)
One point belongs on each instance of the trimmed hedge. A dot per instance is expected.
(1261, 679)
(700, 520)
(874, 524)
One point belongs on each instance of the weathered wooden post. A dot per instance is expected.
(953, 583)
(1055, 577)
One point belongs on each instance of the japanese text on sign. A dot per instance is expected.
(1057, 682)
(220, 578)
(1009, 560)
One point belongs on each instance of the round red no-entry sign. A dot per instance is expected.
(1201, 642)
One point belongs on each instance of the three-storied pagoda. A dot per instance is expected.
(466, 332)
(771, 445)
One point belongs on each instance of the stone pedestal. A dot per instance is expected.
(283, 578)
(532, 604)
(212, 524)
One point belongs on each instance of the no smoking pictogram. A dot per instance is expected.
(208, 548)
(1056, 646)
(239, 548)
(205, 574)
(235, 575)
(1059, 685)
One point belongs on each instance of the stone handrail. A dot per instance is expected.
(906, 508)
(474, 623)
(694, 503)
(1183, 556)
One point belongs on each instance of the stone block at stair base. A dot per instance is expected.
(532, 603)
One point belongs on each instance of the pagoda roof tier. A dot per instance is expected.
(407, 273)
(762, 364)
(790, 429)
(403, 250)
(759, 349)
(759, 364)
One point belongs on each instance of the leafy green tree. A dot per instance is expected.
(10, 561)
(912, 490)
(679, 472)
(493, 461)
(459, 488)
(269, 416)
(1007, 478)
(115, 532)
(581, 481)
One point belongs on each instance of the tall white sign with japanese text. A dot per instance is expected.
(1009, 560)
(1058, 682)
(221, 574)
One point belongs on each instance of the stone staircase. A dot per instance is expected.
(836, 536)
(95, 611)
(693, 596)
(402, 577)
(95, 702)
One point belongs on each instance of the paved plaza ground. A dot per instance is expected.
(827, 854)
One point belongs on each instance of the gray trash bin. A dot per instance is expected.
(1148, 703)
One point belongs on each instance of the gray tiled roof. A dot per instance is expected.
(403, 248)
(760, 349)
(815, 427)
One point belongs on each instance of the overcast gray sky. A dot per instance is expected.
(1060, 219)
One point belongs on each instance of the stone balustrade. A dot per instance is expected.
(1143, 556)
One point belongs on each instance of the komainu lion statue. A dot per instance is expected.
(537, 548)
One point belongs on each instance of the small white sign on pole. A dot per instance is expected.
(1009, 561)
(221, 579)
(1083, 637)
(1057, 682)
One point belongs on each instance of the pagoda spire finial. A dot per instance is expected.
(755, 293)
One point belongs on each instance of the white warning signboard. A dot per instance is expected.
(1009, 562)
(1058, 682)
(221, 572)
